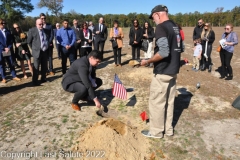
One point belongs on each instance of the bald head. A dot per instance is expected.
(39, 23)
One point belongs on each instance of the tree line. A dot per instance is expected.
(14, 10)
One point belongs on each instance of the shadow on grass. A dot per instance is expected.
(182, 102)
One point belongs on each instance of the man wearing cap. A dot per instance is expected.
(166, 61)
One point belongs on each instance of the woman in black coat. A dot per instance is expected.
(135, 37)
(208, 37)
(22, 50)
(86, 40)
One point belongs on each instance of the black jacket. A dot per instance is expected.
(79, 72)
(197, 32)
(210, 37)
(83, 39)
(150, 33)
(139, 35)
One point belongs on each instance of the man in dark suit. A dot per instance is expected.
(101, 33)
(6, 42)
(81, 79)
(49, 28)
(38, 40)
(77, 45)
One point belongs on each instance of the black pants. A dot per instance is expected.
(134, 48)
(85, 51)
(99, 45)
(117, 55)
(67, 53)
(41, 60)
(226, 58)
(50, 59)
(77, 47)
(59, 50)
(208, 61)
(80, 91)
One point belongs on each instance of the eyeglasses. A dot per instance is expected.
(227, 28)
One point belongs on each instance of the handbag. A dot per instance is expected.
(144, 46)
(219, 48)
(6, 54)
(114, 43)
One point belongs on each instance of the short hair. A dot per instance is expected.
(65, 20)
(42, 14)
(95, 54)
(115, 21)
(2, 20)
(57, 24)
(75, 20)
(200, 19)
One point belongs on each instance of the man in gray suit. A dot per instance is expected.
(77, 43)
(38, 40)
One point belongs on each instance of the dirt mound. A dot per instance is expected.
(112, 139)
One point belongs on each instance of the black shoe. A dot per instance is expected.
(44, 80)
(35, 84)
(229, 78)
(210, 68)
(221, 77)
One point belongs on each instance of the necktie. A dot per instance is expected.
(42, 40)
(68, 37)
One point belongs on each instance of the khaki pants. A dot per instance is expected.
(196, 62)
(161, 103)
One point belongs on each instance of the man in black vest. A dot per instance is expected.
(81, 79)
(166, 61)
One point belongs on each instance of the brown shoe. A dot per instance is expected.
(17, 79)
(76, 107)
(51, 73)
(4, 81)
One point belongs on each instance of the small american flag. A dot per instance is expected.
(118, 88)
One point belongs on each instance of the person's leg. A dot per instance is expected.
(115, 56)
(89, 49)
(79, 90)
(11, 66)
(43, 61)
(30, 66)
(149, 51)
(228, 58)
(71, 55)
(223, 66)
(138, 52)
(23, 69)
(101, 48)
(58, 50)
(36, 63)
(197, 63)
(157, 102)
(170, 102)
(209, 51)
(64, 59)
(2, 68)
(133, 52)
(50, 60)
(83, 52)
(119, 55)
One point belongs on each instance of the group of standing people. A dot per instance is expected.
(203, 38)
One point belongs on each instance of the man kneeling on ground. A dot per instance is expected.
(81, 79)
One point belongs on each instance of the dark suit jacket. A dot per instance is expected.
(49, 28)
(76, 30)
(34, 40)
(55, 35)
(101, 36)
(5, 43)
(83, 39)
(79, 72)
(138, 33)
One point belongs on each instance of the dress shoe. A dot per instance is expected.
(76, 107)
(16, 79)
(44, 80)
(51, 73)
(35, 84)
(229, 78)
(210, 68)
(4, 81)
(221, 77)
